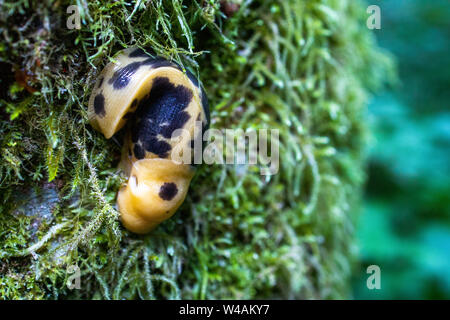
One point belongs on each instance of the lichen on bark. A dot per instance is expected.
(302, 67)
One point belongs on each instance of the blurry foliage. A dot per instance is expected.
(405, 228)
(302, 67)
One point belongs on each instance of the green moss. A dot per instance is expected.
(303, 67)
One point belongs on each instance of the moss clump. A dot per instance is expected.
(302, 67)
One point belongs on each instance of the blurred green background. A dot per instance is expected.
(405, 224)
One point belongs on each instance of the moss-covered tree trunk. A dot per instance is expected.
(302, 67)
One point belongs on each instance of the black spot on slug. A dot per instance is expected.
(137, 53)
(168, 191)
(157, 63)
(121, 77)
(139, 152)
(156, 146)
(99, 105)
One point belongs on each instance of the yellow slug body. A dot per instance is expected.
(151, 98)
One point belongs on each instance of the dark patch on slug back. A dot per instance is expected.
(177, 123)
(139, 152)
(168, 191)
(122, 77)
(161, 113)
(158, 63)
(150, 143)
(99, 105)
(156, 146)
(137, 53)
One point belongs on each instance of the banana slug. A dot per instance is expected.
(150, 98)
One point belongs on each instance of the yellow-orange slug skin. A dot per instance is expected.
(151, 98)
(155, 190)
